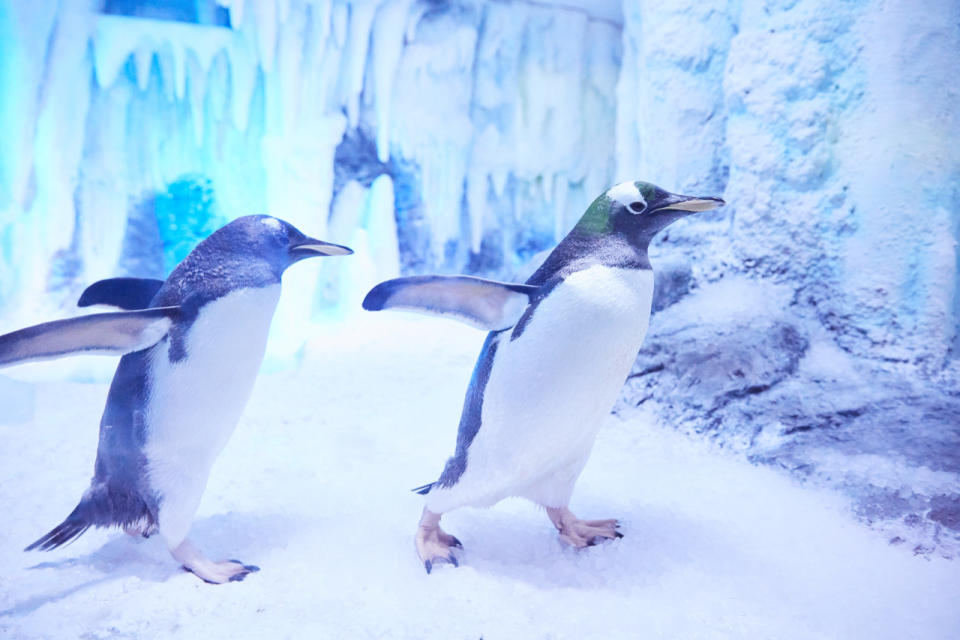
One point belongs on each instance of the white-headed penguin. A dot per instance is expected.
(559, 349)
(191, 346)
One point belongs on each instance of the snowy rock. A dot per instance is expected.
(671, 281)
(699, 372)
(737, 363)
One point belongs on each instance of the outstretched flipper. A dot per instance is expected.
(98, 334)
(126, 293)
(484, 304)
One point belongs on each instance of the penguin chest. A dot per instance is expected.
(194, 403)
(551, 387)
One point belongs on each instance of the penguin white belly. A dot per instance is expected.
(195, 403)
(550, 389)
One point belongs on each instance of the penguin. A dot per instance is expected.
(557, 353)
(191, 347)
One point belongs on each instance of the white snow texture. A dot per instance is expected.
(313, 488)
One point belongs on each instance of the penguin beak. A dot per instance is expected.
(312, 248)
(691, 204)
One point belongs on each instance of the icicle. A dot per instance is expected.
(58, 145)
(235, 8)
(179, 70)
(347, 210)
(561, 222)
(243, 77)
(381, 227)
(321, 23)
(498, 176)
(477, 187)
(167, 76)
(218, 88)
(291, 80)
(198, 92)
(361, 19)
(627, 138)
(443, 172)
(338, 23)
(265, 15)
(387, 46)
(114, 40)
(143, 58)
(410, 32)
(346, 213)
(206, 44)
(320, 93)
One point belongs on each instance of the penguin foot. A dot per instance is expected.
(582, 533)
(222, 572)
(207, 570)
(434, 545)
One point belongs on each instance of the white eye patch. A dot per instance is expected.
(627, 194)
(273, 223)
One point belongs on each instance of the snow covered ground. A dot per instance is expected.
(313, 488)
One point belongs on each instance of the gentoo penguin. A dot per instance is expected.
(189, 363)
(559, 349)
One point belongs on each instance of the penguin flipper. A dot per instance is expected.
(114, 334)
(484, 304)
(126, 293)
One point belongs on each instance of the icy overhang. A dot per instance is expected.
(610, 10)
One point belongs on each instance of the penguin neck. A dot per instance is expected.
(193, 276)
(584, 247)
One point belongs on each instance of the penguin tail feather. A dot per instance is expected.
(67, 531)
(100, 507)
(425, 489)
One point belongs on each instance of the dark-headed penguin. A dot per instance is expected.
(191, 346)
(559, 349)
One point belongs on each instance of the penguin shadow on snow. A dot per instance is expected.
(515, 545)
(147, 558)
(122, 556)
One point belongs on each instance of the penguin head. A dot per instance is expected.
(640, 210)
(270, 240)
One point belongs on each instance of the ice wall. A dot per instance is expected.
(812, 324)
(828, 126)
(461, 136)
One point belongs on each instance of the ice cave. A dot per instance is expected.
(808, 332)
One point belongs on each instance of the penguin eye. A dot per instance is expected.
(637, 207)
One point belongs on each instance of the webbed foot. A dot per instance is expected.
(582, 533)
(207, 570)
(434, 546)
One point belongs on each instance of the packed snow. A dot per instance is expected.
(314, 488)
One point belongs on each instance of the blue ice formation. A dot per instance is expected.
(490, 123)
(132, 128)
